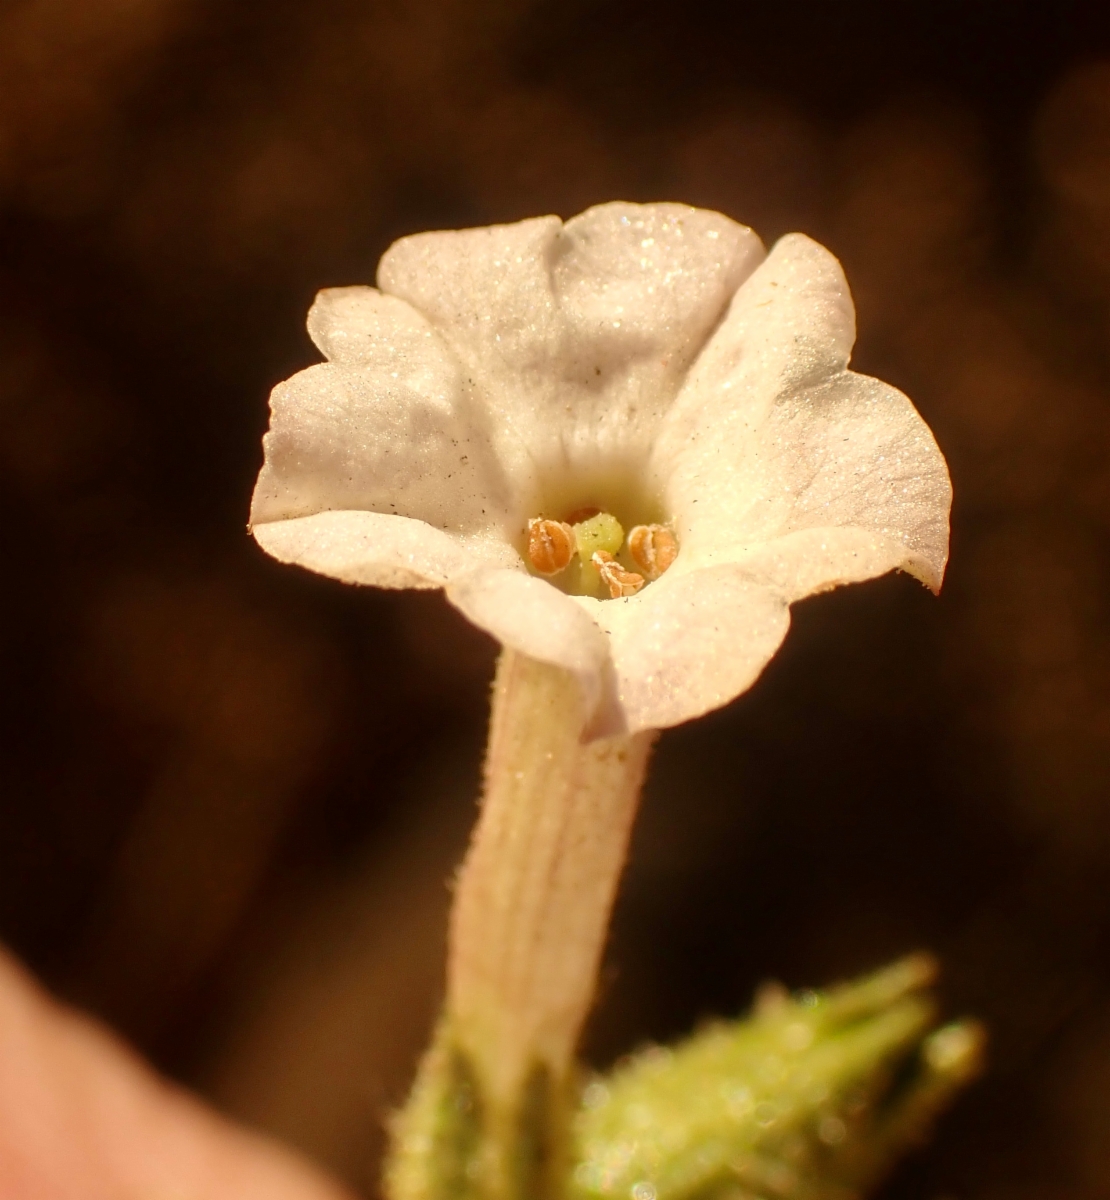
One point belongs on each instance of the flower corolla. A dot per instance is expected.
(652, 362)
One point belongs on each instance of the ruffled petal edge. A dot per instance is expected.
(691, 643)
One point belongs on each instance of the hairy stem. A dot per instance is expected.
(527, 930)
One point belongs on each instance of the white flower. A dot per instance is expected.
(652, 361)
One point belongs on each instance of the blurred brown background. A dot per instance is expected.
(231, 794)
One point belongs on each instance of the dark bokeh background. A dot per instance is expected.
(231, 793)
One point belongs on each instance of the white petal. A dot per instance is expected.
(578, 335)
(387, 427)
(691, 642)
(817, 560)
(772, 436)
(384, 551)
(359, 326)
(529, 615)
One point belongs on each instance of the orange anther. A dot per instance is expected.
(551, 545)
(619, 581)
(653, 548)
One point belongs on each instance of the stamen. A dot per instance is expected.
(595, 538)
(619, 581)
(551, 545)
(653, 548)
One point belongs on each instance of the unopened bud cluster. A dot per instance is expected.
(595, 539)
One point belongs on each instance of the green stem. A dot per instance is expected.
(527, 931)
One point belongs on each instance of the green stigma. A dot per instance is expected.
(600, 532)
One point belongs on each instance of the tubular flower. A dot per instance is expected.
(623, 445)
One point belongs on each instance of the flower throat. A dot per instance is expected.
(588, 555)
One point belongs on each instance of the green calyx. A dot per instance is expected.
(453, 1140)
(812, 1097)
(438, 1138)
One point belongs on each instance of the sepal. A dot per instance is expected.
(812, 1097)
